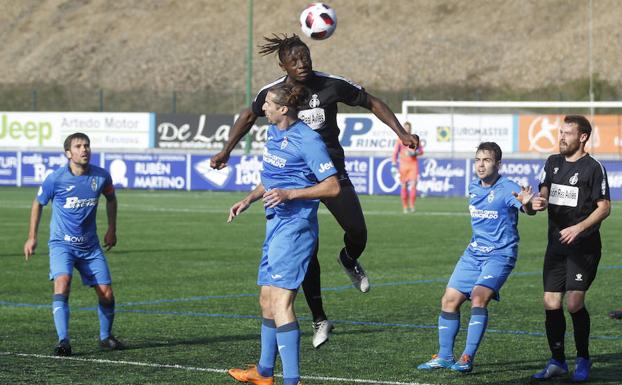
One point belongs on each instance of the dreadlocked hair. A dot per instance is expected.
(292, 96)
(281, 44)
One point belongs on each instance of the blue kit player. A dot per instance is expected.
(74, 191)
(297, 172)
(486, 263)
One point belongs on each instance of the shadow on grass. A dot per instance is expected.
(606, 370)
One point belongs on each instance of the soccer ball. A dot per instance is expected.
(318, 21)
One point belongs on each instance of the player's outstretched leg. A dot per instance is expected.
(311, 286)
(354, 271)
(347, 210)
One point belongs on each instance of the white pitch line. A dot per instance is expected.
(321, 211)
(198, 369)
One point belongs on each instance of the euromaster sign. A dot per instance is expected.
(49, 129)
(438, 132)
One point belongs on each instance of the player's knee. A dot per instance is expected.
(575, 307)
(280, 307)
(574, 303)
(481, 296)
(552, 301)
(62, 285)
(450, 303)
(358, 233)
(105, 294)
(479, 301)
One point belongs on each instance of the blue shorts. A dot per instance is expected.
(286, 251)
(491, 272)
(91, 264)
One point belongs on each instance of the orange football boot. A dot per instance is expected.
(250, 375)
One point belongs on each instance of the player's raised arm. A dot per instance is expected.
(35, 217)
(241, 127)
(384, 113)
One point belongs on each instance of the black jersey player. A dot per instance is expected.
(320, 112)
(574, 188)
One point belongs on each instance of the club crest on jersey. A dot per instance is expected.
(314, 102)
(94, 184)
(574, 179)
(491, 196)
(555, 170)
(284, 143)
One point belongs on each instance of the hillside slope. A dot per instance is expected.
(383, 44)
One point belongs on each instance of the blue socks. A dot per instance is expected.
(60, 312)
(477, 327)
(268, 348)
(288, 341)
(105, 312)
(448, 326)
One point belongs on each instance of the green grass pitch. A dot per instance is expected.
(187, 307)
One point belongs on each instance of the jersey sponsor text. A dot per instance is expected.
(562, 195)
(274, 160)
(75, 202)
(325, 167)
(314, 117)
(484, 214)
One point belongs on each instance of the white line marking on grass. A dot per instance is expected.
(224, 212)
(197, 369)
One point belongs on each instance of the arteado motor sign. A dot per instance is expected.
(48, 130)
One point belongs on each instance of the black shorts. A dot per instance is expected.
(571, 268)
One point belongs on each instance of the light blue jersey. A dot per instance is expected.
(491, 255)
(494, 219)
(295, 158)
(74, 206)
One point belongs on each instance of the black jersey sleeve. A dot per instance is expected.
(600, 184)
(352, 94)
(258, 102)
(545, 175)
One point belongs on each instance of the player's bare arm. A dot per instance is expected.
(245, 203)
(35, 217)
(526, 197)
(241, 127)
(384, 113)
(110, 238)
(327, 188)
(539, 202)
(570, 234)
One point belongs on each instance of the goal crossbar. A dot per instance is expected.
(492, 104)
